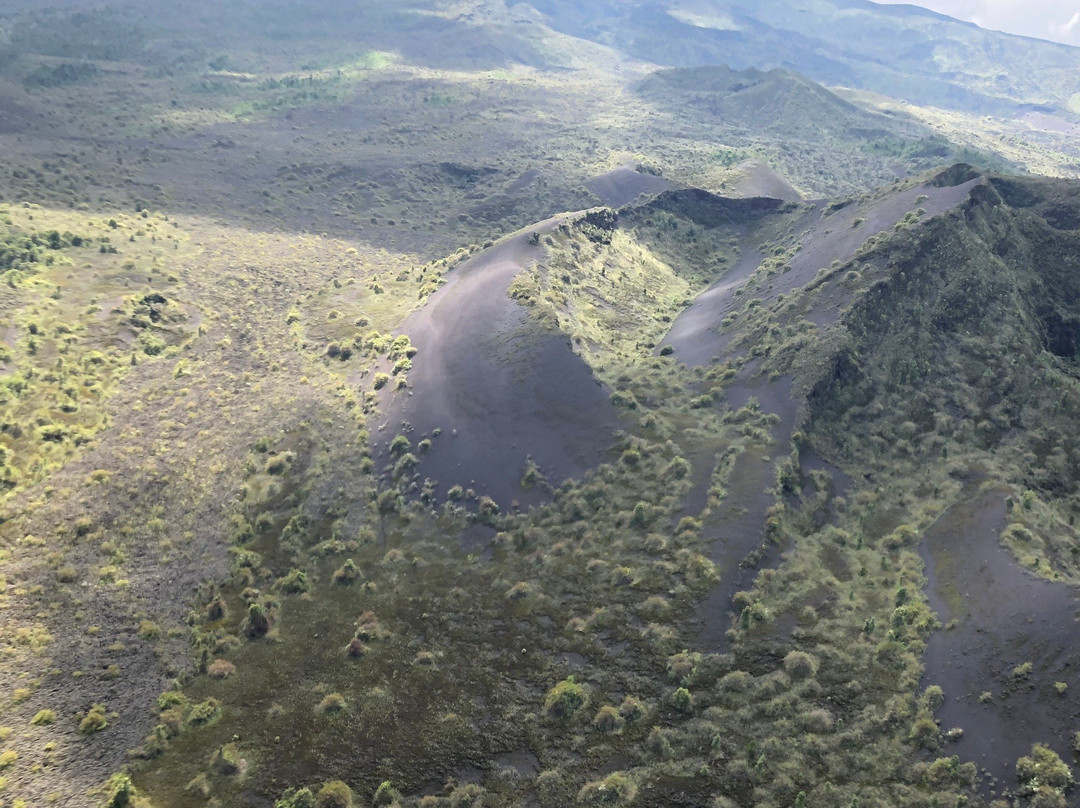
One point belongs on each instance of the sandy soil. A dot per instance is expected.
(623, 185)
(837, 237)
(754, 178)
(694, 335)
(697, 336)
(1004, 616)
(500, 389)
(1041, 122)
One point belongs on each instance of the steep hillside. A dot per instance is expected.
(948, 388)
(492, 397)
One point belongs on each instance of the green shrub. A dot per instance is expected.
(347, 573)
(469, 795)
(257, 623)
(631, 710)
(385, 794)
(227, 761)
(199, 786)
(677, 469)
(43, 718)
(300, 798)
(531, 476)
(564, 700)
(615, 789)
(278, 463)
(925, 734)
(607, 719)
(399, 347)
(1043, 776)
(335, 794)
(800, 665)
(487, 508)
(151, 344)
(94, 720)
(204, 712)
(118, 792)
(642, 516)
(331, 703)
(406, 463)
(216, 609)
(294, 583)
(682, 700)
(1022, 671)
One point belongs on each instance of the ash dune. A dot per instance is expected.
(624, 185)
(500, 389)
(755, 179)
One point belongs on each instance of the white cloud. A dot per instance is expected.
(1070, 26)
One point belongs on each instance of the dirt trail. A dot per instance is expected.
(500, 388)
(1004, 617)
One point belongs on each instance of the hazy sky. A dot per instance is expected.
(1047, 19)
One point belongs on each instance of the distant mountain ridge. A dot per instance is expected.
(903, 51)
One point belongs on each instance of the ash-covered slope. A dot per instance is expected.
(492, 390)
(952, 374)
(931, 335)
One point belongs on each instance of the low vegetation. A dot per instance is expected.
(209, 239)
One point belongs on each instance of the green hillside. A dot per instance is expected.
(446, 404)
